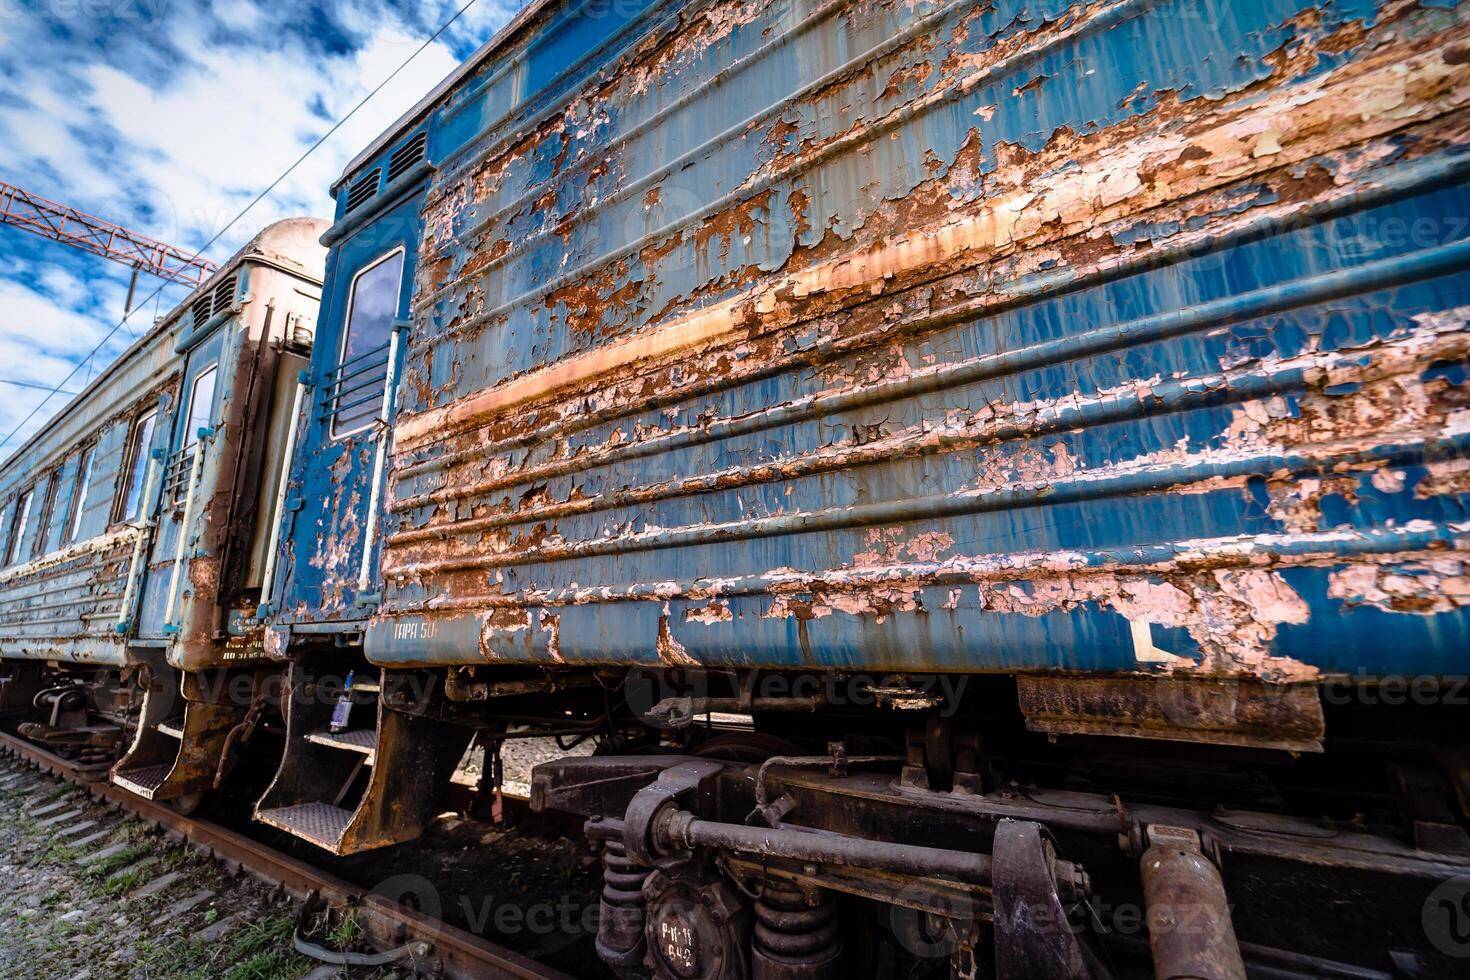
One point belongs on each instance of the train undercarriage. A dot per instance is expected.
(805, 826)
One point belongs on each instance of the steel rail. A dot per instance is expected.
(453, 952)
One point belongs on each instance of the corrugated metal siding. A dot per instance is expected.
(934, 335)
(64, 603)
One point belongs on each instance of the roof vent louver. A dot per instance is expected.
(406, 156)
(203, 309)
(364, 190)
(224, 294)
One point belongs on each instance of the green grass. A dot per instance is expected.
(176, 858)
(121, 859)
(276, 964)
(65, 789)
(345, 932)
(258, 951)
(41, 946)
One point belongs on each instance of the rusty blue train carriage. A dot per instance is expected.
(1076, 392)
(141, 547)
(74, 506)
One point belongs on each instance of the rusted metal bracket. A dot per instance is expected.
(1032, 935)
(1244, 711)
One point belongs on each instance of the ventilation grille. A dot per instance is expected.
(364, 190)
(224, 294)
(203, 309)
(406, 156)
(216, 301)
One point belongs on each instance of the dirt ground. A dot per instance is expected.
(531, 884)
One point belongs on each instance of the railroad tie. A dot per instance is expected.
(91, 839)
(147, 861)
(61, 818)
(156, 885)
(184, 906)
(211, 933)
(75, 829)
(103, 854)
(50, 808)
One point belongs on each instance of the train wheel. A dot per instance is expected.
(187, 803)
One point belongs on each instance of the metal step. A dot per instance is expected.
(174, 728)
(320, 823)
(364, 740)
(144, 780)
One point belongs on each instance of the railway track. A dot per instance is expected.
(425, 944)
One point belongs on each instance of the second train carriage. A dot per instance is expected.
(141, 518)
(74, 516)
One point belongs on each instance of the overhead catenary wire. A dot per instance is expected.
(460, 12)
(36, 385)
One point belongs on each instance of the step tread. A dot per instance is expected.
(143, 780)
(174, 728)
(320, 823)
(364, 740)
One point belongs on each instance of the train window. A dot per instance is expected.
(357, 383)
(18, 527)
(201, 406)
(137, 468)
(47, 515)
(79, 495)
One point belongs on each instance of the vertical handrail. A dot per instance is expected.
(125, 611)
(268, 579)
(370, 534)
(173, 581)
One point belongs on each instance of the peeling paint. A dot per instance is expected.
(969, 343)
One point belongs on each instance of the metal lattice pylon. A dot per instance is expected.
(81, 230)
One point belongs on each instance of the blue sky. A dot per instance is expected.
(168, 117)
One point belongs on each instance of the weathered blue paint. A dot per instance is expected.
(60, 600)
(327, 500)
(913, 336)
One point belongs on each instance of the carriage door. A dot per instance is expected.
(185, 476)
(334, 497)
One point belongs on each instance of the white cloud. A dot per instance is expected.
(172, 121)
(169, 123)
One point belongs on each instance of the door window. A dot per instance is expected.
(201, 406)
(357, 384)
